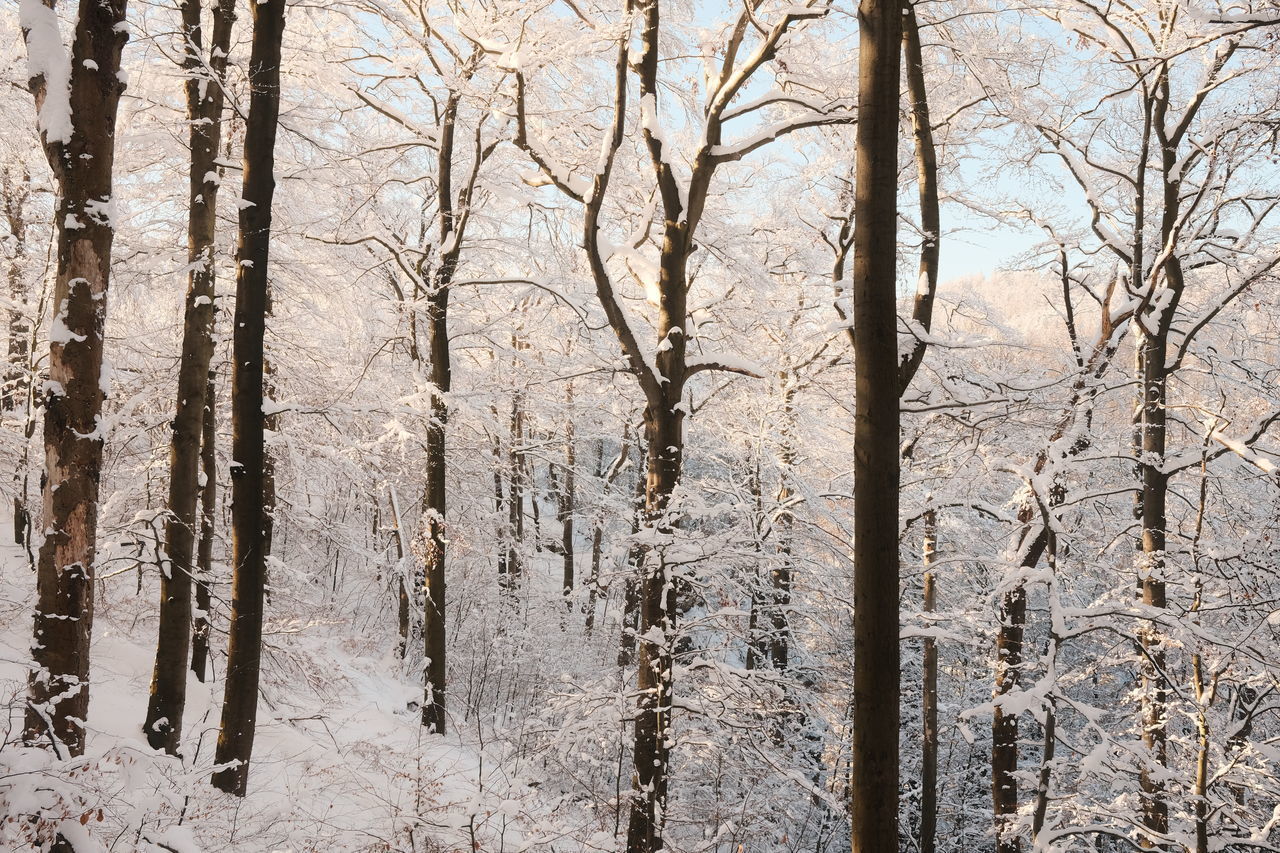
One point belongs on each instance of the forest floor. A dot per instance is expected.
(340, 761)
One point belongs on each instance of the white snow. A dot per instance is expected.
(47, 58)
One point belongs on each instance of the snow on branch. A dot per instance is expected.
(48, 70)
(725, 362)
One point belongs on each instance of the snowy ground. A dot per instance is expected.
(340, 761)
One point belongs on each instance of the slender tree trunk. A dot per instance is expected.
(566, 508)
(515, 496)
(874, 787)
(1155, 485)
(16, 193)
(208, 512)
(1004, 724)
(434, 512)
(167, 701)
(597, 543)
(757, 645)
(248, 511)
(929, 697)
(635, 562)
(927, 181)
(780, 577)
(17, 384)
(77, 129)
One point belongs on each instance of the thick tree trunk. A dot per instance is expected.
(248, 515)
(77, 128)
(929, 697)
(652, 750)
(874, 786)
(204, 554)
(167, 701)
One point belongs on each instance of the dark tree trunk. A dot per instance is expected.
(77, 129)
(927, 182)
(248, 511)
(1004, 726)
(270, 426)
(204, 554)
(433, 706)
(515, 497)
(167, 701)
(1153, 421)
(657, 612)
(874, 786)
(929, 697)
(757, 643)
(597, 540)
(566, 507)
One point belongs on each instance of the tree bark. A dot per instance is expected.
(927, 183)
(204, 554)
(248, 511)
(929, 697)
(167, 701)
(77, 129)
(874, 786)
(566, 507)
(16, 193)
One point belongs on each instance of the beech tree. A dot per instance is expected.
(204, 90)
(248, 511)
(76, 95)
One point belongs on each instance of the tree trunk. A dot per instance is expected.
(204, 554)
(929, 697)
(77, 129)
(16, 193)
(1155, 485)
(635, 561)
(17, 383)
(927, 180)
(597, 543)
(1004, 725)
(874, 786)
(248, 511)
(167, 701)
(657, 612)
(433, 705)
(566, 507)
(780, 577)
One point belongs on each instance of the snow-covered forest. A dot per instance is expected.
(640, 425)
